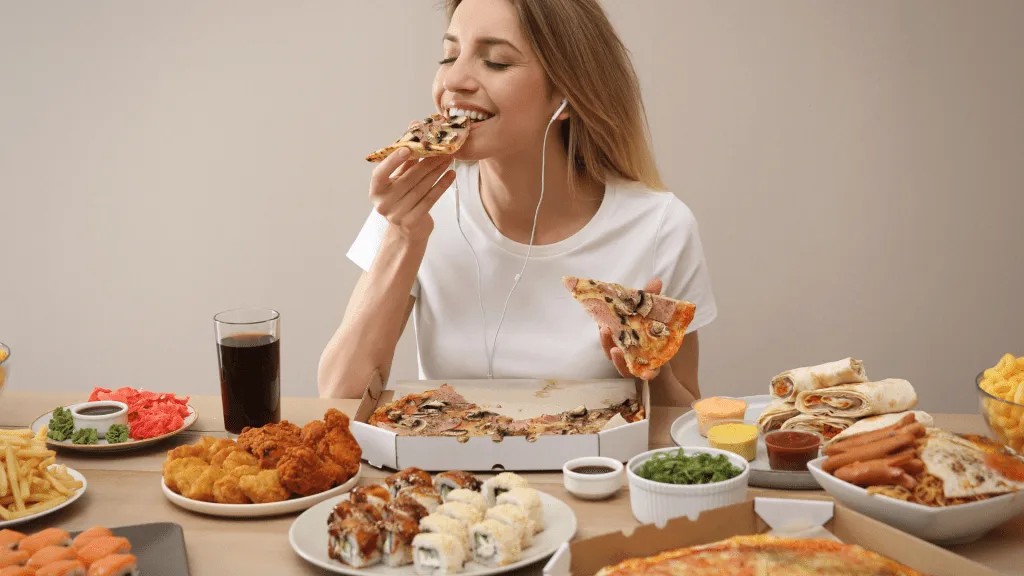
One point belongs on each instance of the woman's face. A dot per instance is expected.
(491, 71)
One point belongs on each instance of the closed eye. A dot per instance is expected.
(496, 65)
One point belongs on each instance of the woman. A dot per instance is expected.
(486, 289)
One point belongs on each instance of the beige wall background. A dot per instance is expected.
(856, 167)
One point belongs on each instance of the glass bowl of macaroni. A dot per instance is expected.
(5, 366)
(1001, 400)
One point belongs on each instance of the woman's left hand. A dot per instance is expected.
(614, 353)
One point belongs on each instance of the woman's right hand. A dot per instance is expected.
(403, 190)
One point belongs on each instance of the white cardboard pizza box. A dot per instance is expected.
(518, 398)
(779, 516)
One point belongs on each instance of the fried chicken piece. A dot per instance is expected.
(202, 488)
(219, 446)
(268, 443)
(263, 487)
(233, 458)
(226, 490)
(186, 451)
(333, 441)
(180, 474)
(305, 473)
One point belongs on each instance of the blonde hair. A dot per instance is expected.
(606, 134)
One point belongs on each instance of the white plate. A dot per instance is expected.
(74, 496)
(948, 525)
(308, 537)
(258, 510)
(686, 432)
(103, 445)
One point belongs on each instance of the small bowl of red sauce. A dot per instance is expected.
(791, 450)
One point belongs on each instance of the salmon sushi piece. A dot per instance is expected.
(9, 539)
(89, 535)
(17, 571)
(102, 547)
(51, 554)
(62, 568)
(13, 557)
(115, 565)
(44, 538)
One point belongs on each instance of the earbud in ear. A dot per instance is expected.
(560, 108)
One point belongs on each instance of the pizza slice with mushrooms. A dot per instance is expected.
(649, 328)
(435, 135)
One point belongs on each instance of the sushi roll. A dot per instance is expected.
(445, 482)
(51, 554)
(474, 499)
(9, 539)
(375, 495)
(437, 554)
(44, 538)
(425, 495)
(515, 517)
(103, 546)
(438, 524)
(62, 568)
(13, 557)
(89, 535)
(406, 478)
(406, 507)
(529, 500)
(398, 533)
(115, 565)
(345, 509)
(495, 544)
(354, 542)
(464, 513)
(498, 485)
(17, 571)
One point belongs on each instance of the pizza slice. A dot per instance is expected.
(649, 328)
(432, 136)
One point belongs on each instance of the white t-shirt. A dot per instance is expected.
(636, 235)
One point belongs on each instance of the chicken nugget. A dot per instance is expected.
(202, 488)
(227, 491)
(263, 487)
(174, 470)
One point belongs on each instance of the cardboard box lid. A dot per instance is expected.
(758, 516)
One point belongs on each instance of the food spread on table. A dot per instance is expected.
(53, 552)
(271, 463)
(31, 481)
(761, 554)
(445, 412)
(438, 524)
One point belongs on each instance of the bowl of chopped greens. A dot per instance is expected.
(673, 482)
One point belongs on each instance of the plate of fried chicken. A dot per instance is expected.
(275, 469)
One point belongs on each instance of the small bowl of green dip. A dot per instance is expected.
(673, 482)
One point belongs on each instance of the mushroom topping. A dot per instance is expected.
(455, 433)
(394, 415)
(413, 424)
(628, 338)
(640, 360)
(658, 329)
(479, 415)
(433, 405)
(578, 412)
(646, 303)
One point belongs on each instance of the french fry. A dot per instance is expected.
(13, 441)
(36, 509)
(4, 514)
(41, 435)
(45, 464)
(23, 433)
(3, 482)
(28, 453)
(13, 476)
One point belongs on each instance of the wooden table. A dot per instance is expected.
(125, 489)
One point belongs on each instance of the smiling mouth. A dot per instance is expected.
(473, 115)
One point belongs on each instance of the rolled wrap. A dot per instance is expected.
(775, 414)
(827, 426)
(787, 385)
(859, 400)
(882, 421)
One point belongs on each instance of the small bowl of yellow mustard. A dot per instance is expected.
(734, 436)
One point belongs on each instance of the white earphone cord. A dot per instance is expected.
(529, 250)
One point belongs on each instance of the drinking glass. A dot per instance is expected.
(249, 356)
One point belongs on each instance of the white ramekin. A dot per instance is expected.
(592, 486)
(100, 423)
(657, 503)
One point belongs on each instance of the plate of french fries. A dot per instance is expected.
(32, 484)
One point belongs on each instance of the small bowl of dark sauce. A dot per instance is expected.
(100, 415)
(592, 477)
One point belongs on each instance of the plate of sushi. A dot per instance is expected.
(449, 523)
(55, 552)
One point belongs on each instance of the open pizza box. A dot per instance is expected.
(517, 398)
(781, 517)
